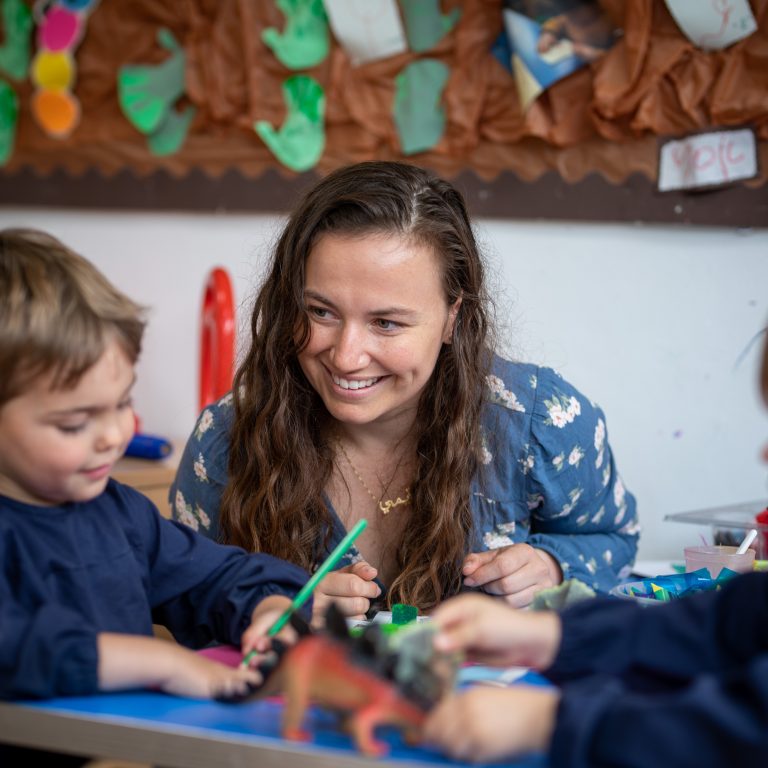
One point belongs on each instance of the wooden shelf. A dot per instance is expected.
(152, 477)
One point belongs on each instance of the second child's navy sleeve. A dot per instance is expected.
(683, 684)
(715, 721)
(669, 644)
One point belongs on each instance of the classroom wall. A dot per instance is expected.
(653, 323)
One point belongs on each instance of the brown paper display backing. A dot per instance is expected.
(586, 150)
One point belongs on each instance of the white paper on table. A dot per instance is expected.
(713, 24)
(707, 159)
(368, 30)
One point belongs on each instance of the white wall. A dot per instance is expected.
(650, 322)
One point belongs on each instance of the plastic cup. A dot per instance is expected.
(715, 558)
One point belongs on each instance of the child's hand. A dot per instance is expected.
(135, 661)
(198, 677)
(352, 588)
(266, 613)
(516, 572)
(485, 724)
(488, 630)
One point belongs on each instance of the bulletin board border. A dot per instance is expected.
(593, 199)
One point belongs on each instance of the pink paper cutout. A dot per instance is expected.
(60, 29)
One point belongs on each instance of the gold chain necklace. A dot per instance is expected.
(385, 506)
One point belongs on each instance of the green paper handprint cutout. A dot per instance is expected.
(169, 137)
(425, 25)
(9, 116)
(147, 92)
(300, 141)
(14, 52)
(305, 40)
(419, 118)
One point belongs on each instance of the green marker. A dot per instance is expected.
(317, 577)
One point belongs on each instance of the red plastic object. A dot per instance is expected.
(217, 337)
(762, 519)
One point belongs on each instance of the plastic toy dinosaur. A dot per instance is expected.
(376, 679)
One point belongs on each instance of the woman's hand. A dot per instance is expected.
(516, 572)
(352, 588)
(485, 724)
(489, 631)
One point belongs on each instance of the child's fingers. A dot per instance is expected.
(244, 682)
(458, 620)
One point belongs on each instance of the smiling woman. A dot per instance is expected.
(371, 390)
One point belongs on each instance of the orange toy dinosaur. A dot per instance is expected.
(359, 678)
(319, 670)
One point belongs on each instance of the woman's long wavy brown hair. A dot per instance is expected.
(279, 461)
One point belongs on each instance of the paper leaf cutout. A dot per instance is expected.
(147, 92)
(419, 118)
(425, 25)
(14, 52)
(300, 141)
(169, 137)
(9, 117)
(305, 40)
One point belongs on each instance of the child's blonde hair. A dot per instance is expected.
(57, 312)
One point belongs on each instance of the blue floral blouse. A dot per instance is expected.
(547, 476)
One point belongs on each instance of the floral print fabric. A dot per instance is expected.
(547, 476)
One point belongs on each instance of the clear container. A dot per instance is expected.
(731, 524)
(715, 558)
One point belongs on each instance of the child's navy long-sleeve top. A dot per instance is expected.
(114, 564)
(684, 684)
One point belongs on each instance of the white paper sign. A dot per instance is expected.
(368, 30)
(707, 159)
(713, 24)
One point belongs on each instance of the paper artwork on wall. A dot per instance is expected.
(708, 159)
(304, 41)
(148, 93)
(713, 24)
(367, 31)
(419, 116)
(300, 141)
(425, 25)
(14, 52)
(9, 116)
(550, 39)
(60, 27)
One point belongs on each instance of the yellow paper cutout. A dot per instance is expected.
(53, 71)
(528, 87)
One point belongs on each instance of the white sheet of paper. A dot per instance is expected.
(713, 24)
(707, 159)
(367, 30)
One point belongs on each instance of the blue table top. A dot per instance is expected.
(255, 721)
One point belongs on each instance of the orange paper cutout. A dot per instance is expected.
(57, 112)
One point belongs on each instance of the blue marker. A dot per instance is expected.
(148, 447)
